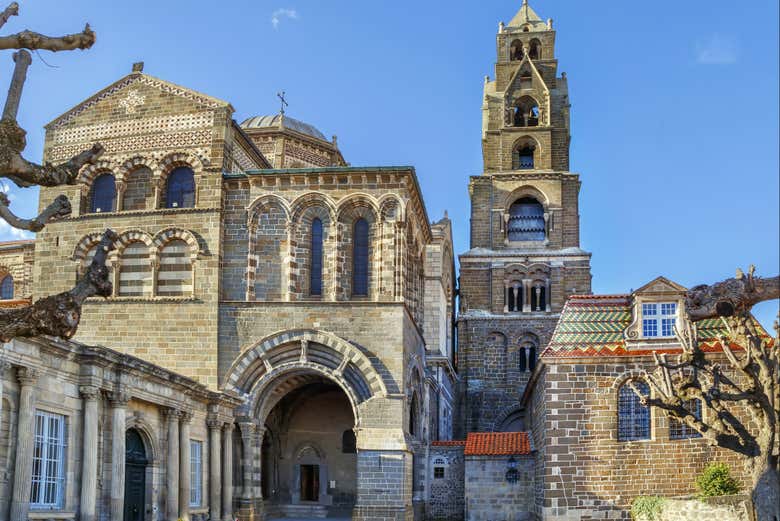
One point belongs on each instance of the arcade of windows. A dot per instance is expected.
(179, 191)
(634, 419)
(360, 258)
(518, 50)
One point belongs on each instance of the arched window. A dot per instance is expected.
(535, 50)
(523, 157)
(174, 276)
(7, 288)
(315, 275)
(413, 415)
(180, 192)
(532, 358)
(348, 442)
(516, 51)
(360, 259)
(522, 362)
(103, 194)
(135, 271)
(633, 417)
(526, 221)
(526, 112)
(679, 430)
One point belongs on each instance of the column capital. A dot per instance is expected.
(89, 392)
(214, 423)
(229, 427)
(27, 375)
(119, 397)
(172, 413)
(5, 364)
(185, 416)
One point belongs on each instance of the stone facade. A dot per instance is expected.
(16, 266)
(525, 257)
(490, 496)
(726, 508)
(99, 395)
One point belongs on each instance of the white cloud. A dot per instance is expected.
(717, 50)
(279, 14)
(9, 233)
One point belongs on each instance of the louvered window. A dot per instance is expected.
(526, 221)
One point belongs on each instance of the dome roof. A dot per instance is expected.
(279, 121)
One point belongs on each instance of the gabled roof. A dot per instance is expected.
(497, 444)
(593, 325)
(133, 78)
(527, 16)
(661, 285)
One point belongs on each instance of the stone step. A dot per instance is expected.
(304, 511)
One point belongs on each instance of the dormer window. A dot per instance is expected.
(658, 319)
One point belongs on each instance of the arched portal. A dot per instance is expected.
(304, 389)
(136, 461)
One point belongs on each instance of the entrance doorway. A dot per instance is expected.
(310, 482)
(135, 476)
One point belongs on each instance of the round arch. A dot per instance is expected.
(308, 200)
(262, 202)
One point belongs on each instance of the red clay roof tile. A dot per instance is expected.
(497, 444)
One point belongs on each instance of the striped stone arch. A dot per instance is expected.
(176, 159)
(164, 236)
(256, 207)
(391, 208)
(90, 172)
(84, 245)
(357, 202)
(134, 163)
(267, 370)
(309, 200)
(526, 191)
(130, 236)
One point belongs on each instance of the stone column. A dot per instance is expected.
(4, 365)
(184, 467)
(527, 305)
(119, 401)
(89, 453)
(20, 500)
(227, 472)
(248, 457)
(547, 296)
(172, 476)
(215, 477)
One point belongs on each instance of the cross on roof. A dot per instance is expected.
(280, 95)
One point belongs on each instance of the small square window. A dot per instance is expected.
(438, 472)
(669, 308)
(649, 327)
(649, 309)
(667, 327)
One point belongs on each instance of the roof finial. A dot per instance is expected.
(280, 95)
(138, 67)
(525, 3)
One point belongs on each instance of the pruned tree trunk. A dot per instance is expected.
(743, 404)
(56, 315)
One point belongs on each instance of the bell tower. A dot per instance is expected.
(525, 258)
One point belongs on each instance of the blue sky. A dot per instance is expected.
(675, 104)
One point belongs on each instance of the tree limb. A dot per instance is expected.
(25, 173)
(60, 207)
(8, 12)
(59, 315)
(730, 297)
(32, 40)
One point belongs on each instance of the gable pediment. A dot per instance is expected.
(131, 95)
(660, 286)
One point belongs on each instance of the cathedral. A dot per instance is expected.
(288, 336)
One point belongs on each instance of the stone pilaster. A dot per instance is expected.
(4, 366)
(119, 400)
(184, 467)
(25, 439)
(172, 476)
(246, 503)
(215, 477)
(89, 453)
(227, 472)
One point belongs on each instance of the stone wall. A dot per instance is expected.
(489, 497)
(446, 498)
(725, 508)
(589, 473)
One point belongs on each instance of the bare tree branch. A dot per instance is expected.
(8, 12)
(32, 40)
(731, 296)
(59, 315)
(60, 207)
